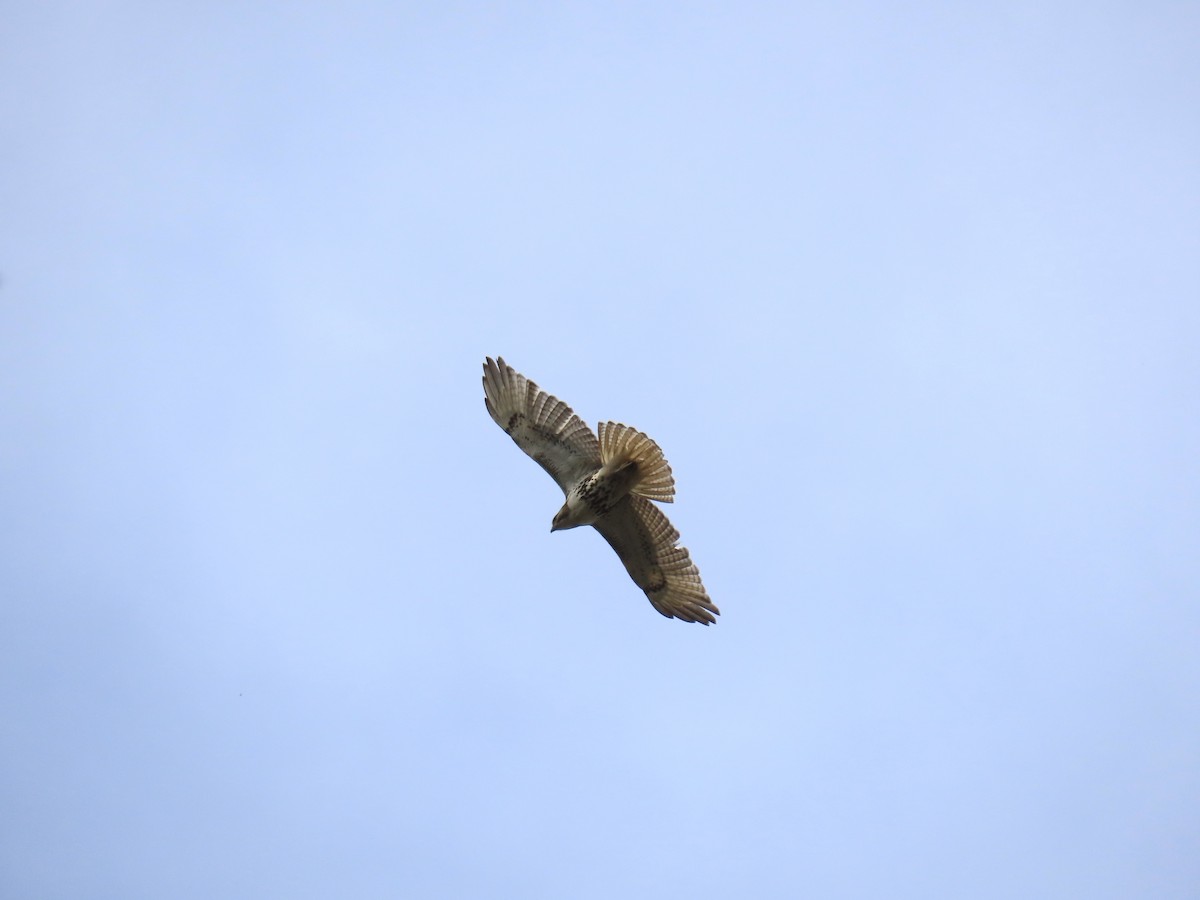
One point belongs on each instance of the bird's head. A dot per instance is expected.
(560, 520)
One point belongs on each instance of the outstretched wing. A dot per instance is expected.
(646, 542)
(543, 426)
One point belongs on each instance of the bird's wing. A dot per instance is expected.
(647, 543)
(541, 425)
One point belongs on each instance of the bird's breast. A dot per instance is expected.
(597, 494)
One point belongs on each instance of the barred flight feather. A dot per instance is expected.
(620, 444)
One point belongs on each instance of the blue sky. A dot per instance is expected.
(908, 293)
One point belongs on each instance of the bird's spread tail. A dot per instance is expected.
(620, 444)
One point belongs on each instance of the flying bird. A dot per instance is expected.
(609, 483)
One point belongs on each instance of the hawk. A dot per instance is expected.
(609, 484)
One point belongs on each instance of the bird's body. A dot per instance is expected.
(608, 482)
(593, 497)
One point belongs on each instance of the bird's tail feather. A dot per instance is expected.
(620, 444)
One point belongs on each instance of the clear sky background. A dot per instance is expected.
(908, 292)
